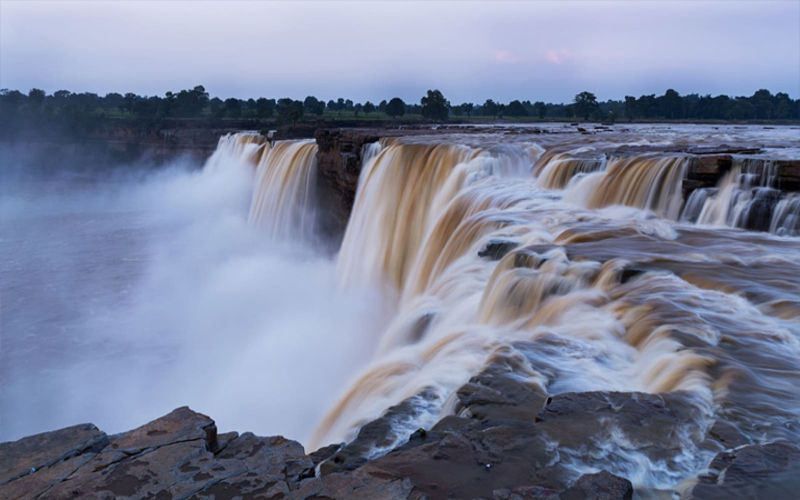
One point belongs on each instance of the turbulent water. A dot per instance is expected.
(460, 247)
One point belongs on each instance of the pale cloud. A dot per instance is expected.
(506, 57)
(547, 50)
(557, 56)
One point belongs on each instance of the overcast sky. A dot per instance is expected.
(374, 50)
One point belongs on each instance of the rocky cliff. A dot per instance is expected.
(507, 440)
(339, 165)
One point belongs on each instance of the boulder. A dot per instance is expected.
(770, 470)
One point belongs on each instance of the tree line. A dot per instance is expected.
(83, 110)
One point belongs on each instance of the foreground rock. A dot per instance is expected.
(507, 439)
(757, 471)
(179, 455)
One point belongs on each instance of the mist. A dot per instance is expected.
(129, 294)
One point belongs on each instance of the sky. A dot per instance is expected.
(370, 50)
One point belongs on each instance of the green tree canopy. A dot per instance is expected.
(289, 110)
(435, 106)
(490, 108)
(541, 109)
(585, 104)
(515, 108)
(395, 107)
(313, 106)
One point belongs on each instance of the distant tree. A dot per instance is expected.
(435, 106)
(395, 107)
(490, 108)
(540, 108)
(348, 105)
(36, 96)
(114, 100)
(233, 108)
(741, 109)
(64, 94)
(467, 108)
(313, 106)
(369, 107)
(265, 108)
(585, 104)
(671, 105)
(250, 109)
(648, 106)
(190, 103)
(216, 107)
(289, 110)
(382, 106)
(783, 106)
(357, 108)
(762, 104)
(515, 108)
(630, 107)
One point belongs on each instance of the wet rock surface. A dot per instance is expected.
(769, 470)
(497, 249)
(507, 438)
(339, 165)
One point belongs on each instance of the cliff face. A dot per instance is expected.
(339, 166)
(115, 147)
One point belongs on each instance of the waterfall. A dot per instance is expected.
(556, 171)
(485, 253)
(786, 216)
(746, 197)
(239, 148)
(648, 182)
(283, 201)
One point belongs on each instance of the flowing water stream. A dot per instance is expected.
(461, 246)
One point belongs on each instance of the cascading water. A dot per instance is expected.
(556, 171)
(283, 202)
(426, 222)
(650, 182)
(746, 197)
(468, 260)
(580, 272)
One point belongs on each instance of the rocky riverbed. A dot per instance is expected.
(507, 440)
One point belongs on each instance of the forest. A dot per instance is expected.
(78, 112)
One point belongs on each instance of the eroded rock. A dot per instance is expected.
(769, 470)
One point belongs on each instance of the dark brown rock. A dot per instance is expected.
(756, 471)
(339, 166)
(31, 454)
(788, 175)
(496, 249)
(599, 486)
(381, 433)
